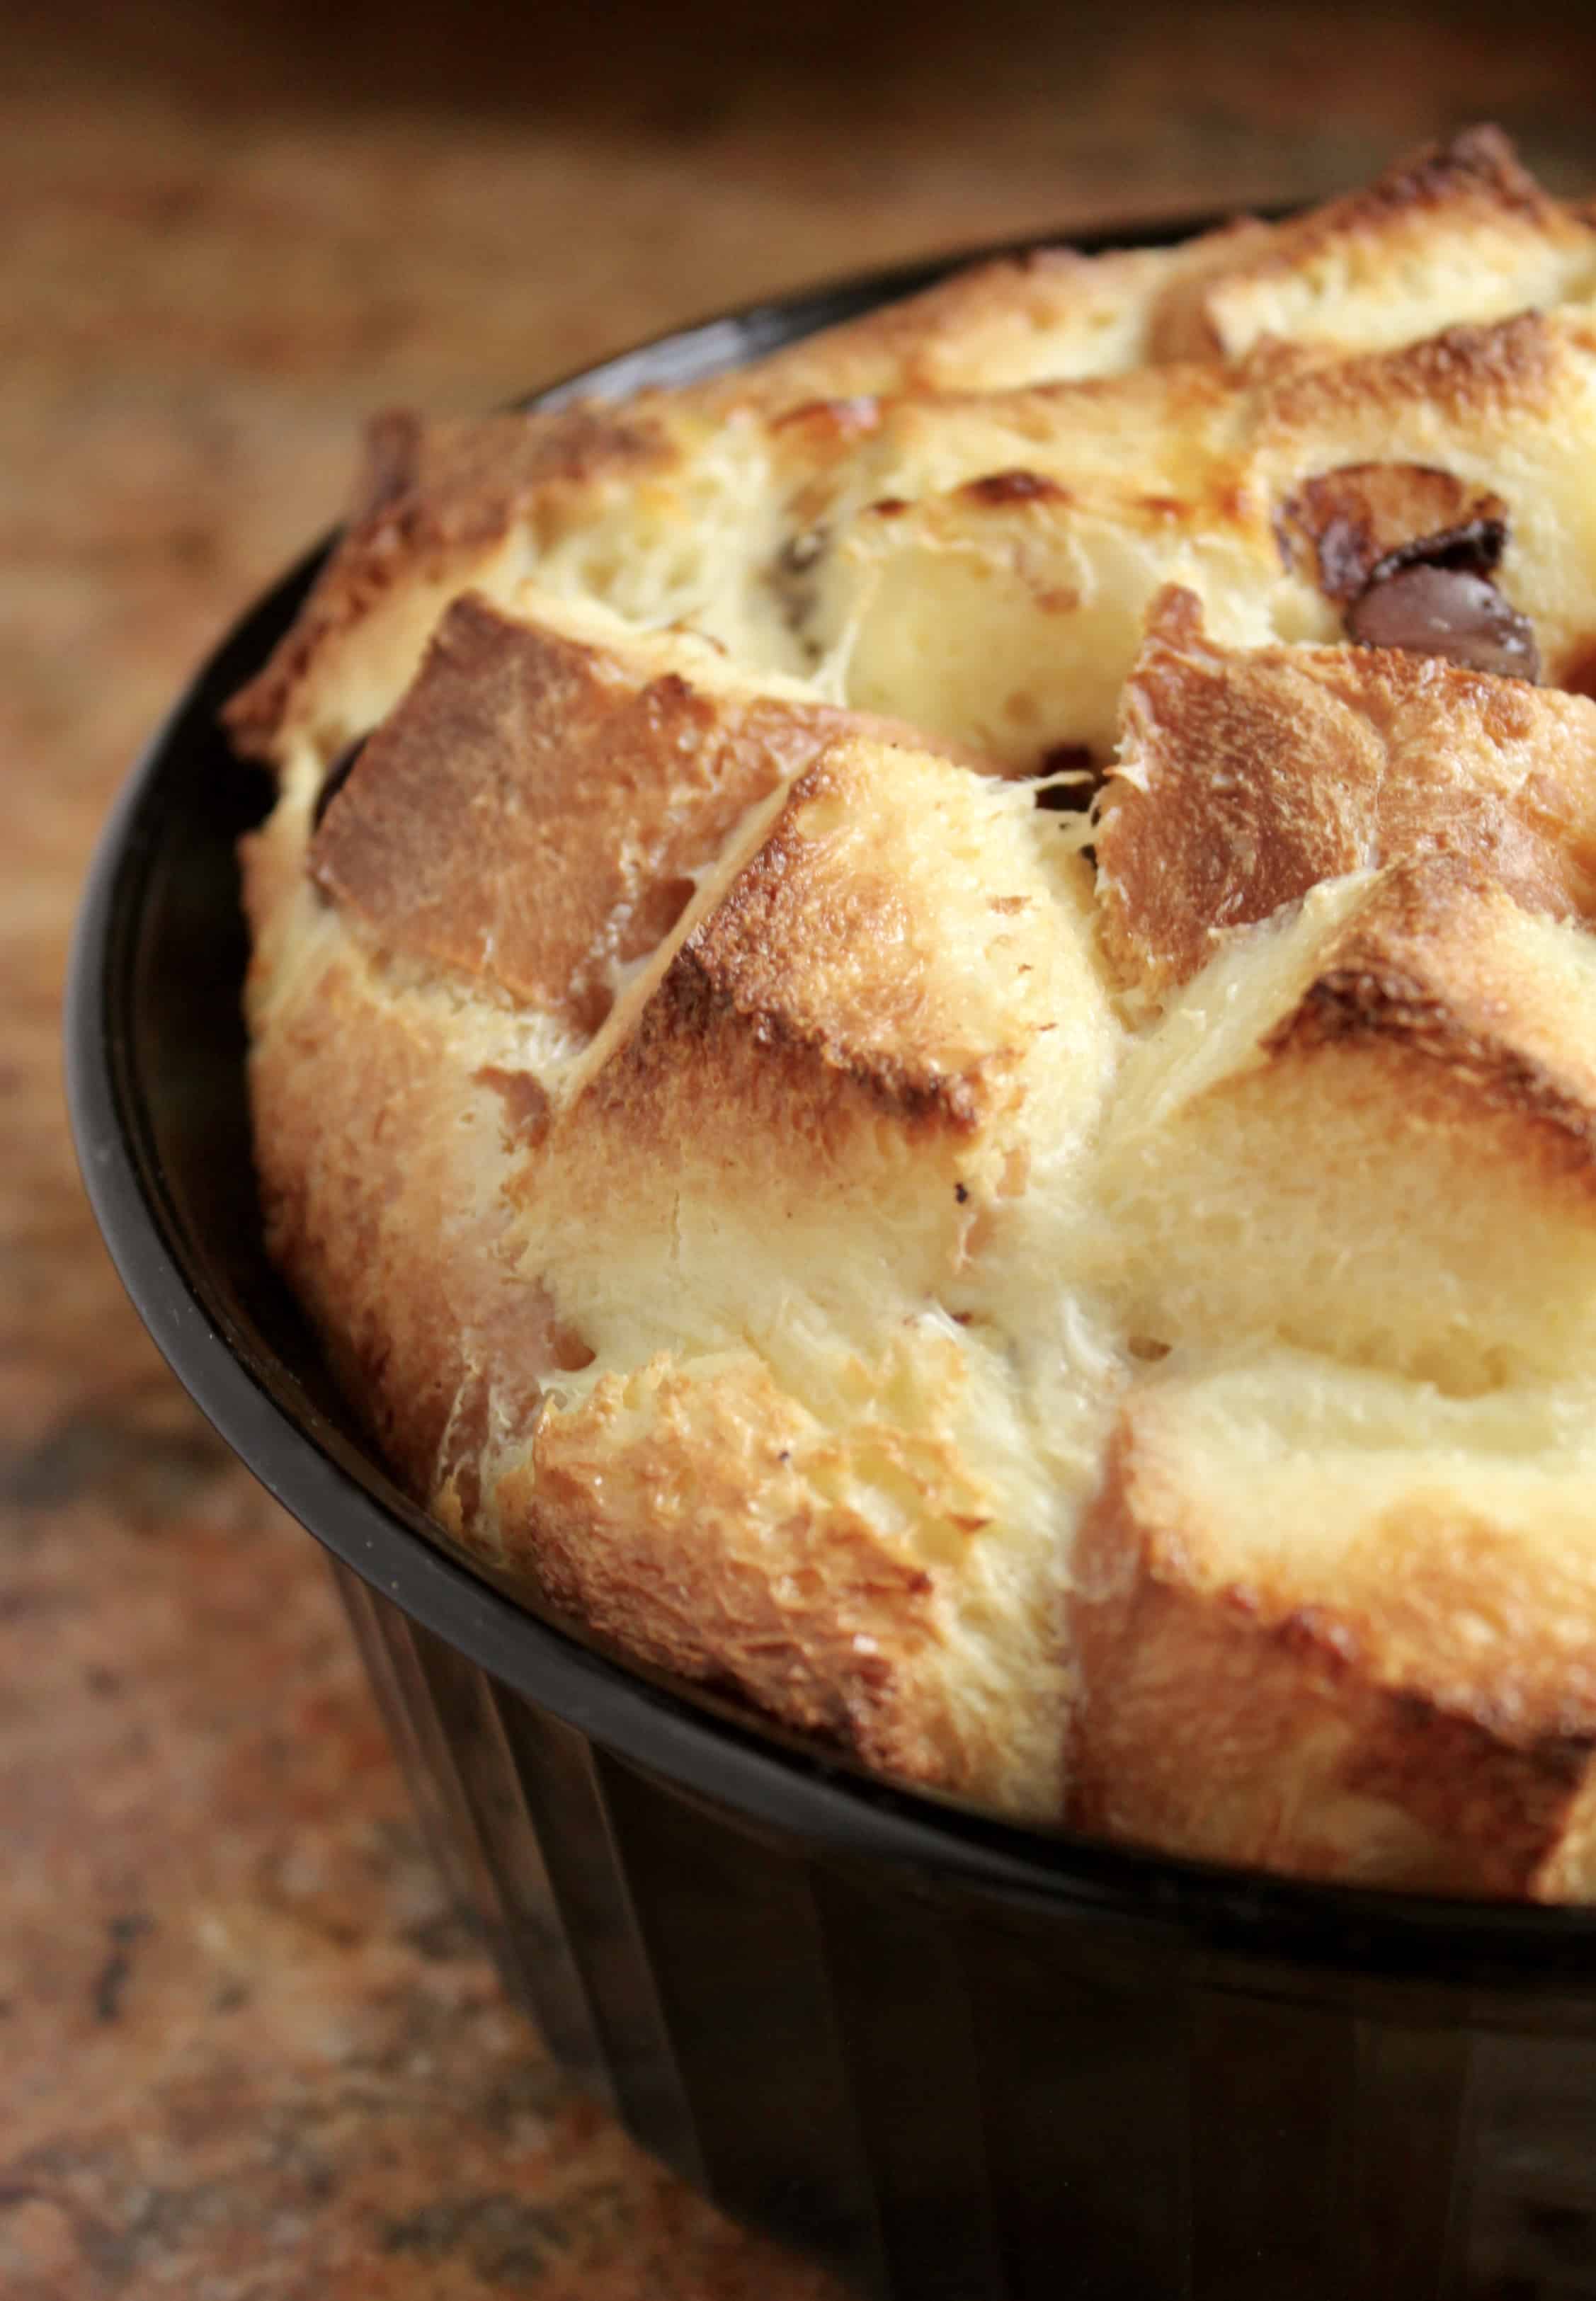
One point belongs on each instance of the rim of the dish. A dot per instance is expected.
(256, 1402)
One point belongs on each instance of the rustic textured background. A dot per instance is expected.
(245, 2054)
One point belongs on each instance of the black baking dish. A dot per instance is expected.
(955, 2058)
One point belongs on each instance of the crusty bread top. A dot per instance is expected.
(1245, 778)
(1371, 1609)
(1089, 1305)
(1457, 232)
(1456, 239)
(433, 501)
(532, 812)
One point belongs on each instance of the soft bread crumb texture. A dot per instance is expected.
(1087, 1306)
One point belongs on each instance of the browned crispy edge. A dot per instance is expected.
(1239, 1680)
(1400, 982)
(431, 495)
(1258, 772)
(1475, 173)
(814, 1623)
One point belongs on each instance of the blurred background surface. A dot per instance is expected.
(244, 2052)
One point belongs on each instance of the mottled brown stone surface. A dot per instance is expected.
(244, 2052)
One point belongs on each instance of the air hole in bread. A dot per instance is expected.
(568, 1351)
(1076, 778)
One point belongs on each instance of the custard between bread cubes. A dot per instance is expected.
(924, 1025)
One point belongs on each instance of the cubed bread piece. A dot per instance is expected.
(438, 508)
(1333, 1622)
(785, 1216)
(533, 813)
(1455, 232)
(1369, 1128)
(1501, 414)
(1245, 776)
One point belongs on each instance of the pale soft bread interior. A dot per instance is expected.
(1410, 1187)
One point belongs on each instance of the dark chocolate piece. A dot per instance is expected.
(1449, 612)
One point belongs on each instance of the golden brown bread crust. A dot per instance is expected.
(532, 812)
(1246, 778)
(796, 957)
(1495, 373)
(1422, 979)
(436, 496)
(1087, 1312)
(1051, 311)
(1417, 1717)
(696, 1540)
(1467, 203)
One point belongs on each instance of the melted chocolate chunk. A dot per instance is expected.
(1451, 612)
(1476, 546)
(1342, 561)
(336, 777)
(1353, 526)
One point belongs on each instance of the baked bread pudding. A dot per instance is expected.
(924, 1025)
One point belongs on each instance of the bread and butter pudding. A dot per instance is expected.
(923, 1031)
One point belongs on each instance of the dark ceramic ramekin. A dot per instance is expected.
(955, 2058)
